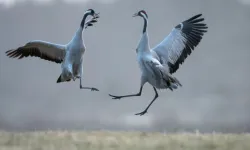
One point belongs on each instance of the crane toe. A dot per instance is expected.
(94, 89)
(142, 113)
(115, 97)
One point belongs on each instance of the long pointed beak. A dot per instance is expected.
(136, 14)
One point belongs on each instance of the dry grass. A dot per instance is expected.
(104, 140)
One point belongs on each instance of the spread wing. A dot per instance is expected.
(175, 48)
(44, 50)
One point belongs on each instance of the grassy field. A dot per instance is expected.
(104, 140)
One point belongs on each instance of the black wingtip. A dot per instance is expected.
(193, 29)
(194, 17)
(8, 51)
(197, 23)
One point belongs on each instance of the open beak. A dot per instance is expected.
(96, 15)
(136, 14)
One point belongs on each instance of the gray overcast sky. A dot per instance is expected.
(215, 77)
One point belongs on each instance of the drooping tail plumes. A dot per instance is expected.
(172, 82)
(175, 80)
(59, 80)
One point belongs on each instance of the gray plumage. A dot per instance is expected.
(157, 64)
(70, 55)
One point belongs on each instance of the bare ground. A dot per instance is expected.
(106, 140)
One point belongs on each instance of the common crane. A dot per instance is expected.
(70, 55)
(159, 63)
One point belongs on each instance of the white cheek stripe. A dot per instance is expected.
(87, 12)
(144, 16)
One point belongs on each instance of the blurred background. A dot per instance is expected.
(216, 89)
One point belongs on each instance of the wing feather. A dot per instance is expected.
(44, 50)
(175, 48)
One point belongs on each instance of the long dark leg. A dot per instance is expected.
(119, 97)
(91, 88)
(145, 111)
(81, 87)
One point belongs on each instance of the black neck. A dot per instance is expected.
(84, 19)
(145, 25)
